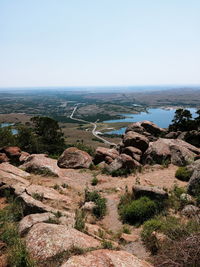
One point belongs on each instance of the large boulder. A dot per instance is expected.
(152, 192)
(105, 154)
(106, 258)
(28, 221)
(41, 164)
(123, 161)
(136, 140)
(175, 151)
(74, 158)
(45, 241)
(191, 137)
(147, 128)
(134, 152)
(194, 183)
(158, 152)
(47, 193)
(12, 152)
(152, 128)
(23, 157)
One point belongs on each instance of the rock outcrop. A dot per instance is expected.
(194, 183)
(152, 192)
(74, 158)
(3, 158)
(135, 140)
(105, 154)
(28, 221)
(147, 128)
(106, 258)
(41, 164)
(175, 151)
(45, 241)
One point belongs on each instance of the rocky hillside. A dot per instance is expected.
(124, 207)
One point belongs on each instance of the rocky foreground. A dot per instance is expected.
(52, 191)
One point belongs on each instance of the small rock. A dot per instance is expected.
(129, 237)
(191, 211)
(89, 206)
(186, 197)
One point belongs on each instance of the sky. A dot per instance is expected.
(99, 42)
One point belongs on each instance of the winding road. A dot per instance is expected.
(94, 132)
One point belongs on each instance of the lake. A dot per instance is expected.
(5, 124)
(161, 117)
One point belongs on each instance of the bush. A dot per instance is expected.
(138, 210)
(100, 209)
(183, 252)
(80, 220)
(171, 226)
(174, 201)
(107, 244)
(183, 174)
(16, 250)
(94, 181)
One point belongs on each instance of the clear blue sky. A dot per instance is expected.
(99, 42)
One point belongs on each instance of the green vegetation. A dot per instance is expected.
(17, 253)
(100, 208)
(172, 227)
(126, 229)
(56, 187)
(138, 211)
(183, 121)
(183, 174)
(94, 180)
(6, 137)
(124, 172)
(43, 135)
(80, 217)
(38, 196)
(106, 244)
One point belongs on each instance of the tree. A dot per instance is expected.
(182, 120)
(50, 135)
(27, 140)
(6, 137)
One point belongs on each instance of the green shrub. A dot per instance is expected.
(94, 181)
(56, 187)
(121, 172)
(174, 201)
(138, 210)
(16, 250)
(171, 226)
(100, 208)
(80, 220)
(38, 196)
(107, 244)
(183, 174)
(126, 229)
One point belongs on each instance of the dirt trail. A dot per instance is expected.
(111, 220)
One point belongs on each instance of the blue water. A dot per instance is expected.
(161, 117)
(5, 124)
